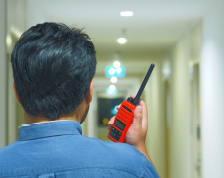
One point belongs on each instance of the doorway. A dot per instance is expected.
(196, 122)
(106, 110)
(167, 116)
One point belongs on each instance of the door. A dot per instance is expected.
(196, 123)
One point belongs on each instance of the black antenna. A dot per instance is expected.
(136, 99)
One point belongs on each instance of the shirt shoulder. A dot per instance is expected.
(124, 156)
(74, 152)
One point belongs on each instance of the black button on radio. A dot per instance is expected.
(116, 134)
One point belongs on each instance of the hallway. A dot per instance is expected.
(184, 95)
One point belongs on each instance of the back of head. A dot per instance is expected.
(53, 66)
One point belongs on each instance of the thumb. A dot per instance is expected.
(111, 122)
(138, 115)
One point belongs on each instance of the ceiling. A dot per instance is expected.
(156, 25)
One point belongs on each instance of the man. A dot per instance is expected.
(53, 69)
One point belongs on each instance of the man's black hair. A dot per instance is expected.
(53, 66)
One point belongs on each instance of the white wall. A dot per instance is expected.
(34, 8)
(16, 25)
(156, 125)
(180, 154)
(212, 93)
(16, 19)
(2, 74)
(196, 151)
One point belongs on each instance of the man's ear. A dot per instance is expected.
(90, 92)
(16, 95)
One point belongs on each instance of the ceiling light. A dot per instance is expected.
(113, 79)
(111, 71)
(126, 13)
(121, 40)
(116, 64)
(119, 70)
(112, 87)
(111, 90)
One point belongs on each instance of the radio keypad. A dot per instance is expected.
(116, 134)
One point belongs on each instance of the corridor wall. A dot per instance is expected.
(180, 154)
(212, 93)
(2, 74)
(156, 125)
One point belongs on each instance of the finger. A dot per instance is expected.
(133, 96)
(111, 122)
(118, 107)
(142, 103)
(144, 112)
(144, 115)
(138, 115)
(145, 123)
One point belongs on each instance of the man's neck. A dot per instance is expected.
(76, 115)
(33, 119)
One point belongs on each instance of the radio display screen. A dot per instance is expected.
(119, 124)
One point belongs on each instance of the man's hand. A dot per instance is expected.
(137, 131)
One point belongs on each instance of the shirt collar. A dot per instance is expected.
(43, 122)
(49, 129)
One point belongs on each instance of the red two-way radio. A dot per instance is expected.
(124, 116)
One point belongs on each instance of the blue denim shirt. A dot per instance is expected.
(58, 149)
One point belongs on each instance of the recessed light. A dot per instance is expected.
(119, 70)
(112, 87)
(116, 64)
(113, 79)
(111, 71)
(122, 40)
(126, 13)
